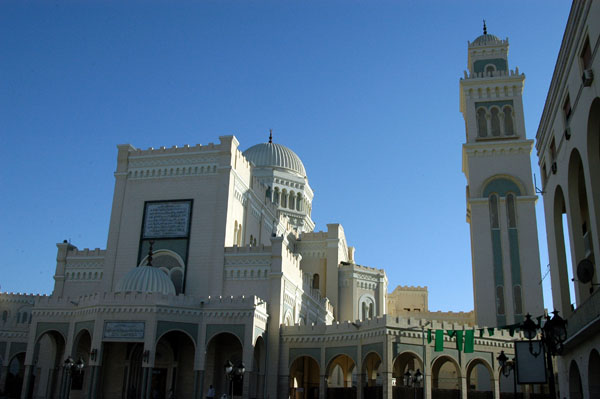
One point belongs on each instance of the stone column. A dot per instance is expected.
(497, 388)
(463, 390)
(94, 372)
(361, 385)
(283, 387)
(148, 372)
(198, 384)
(25, 391)
(388, 390)
(388, 367)
(3, 373)
(322, 387)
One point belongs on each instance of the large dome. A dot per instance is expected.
(146, 279)
(486, 39)
(275, 155)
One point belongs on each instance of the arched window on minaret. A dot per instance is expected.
(489, 70)
(494, 211)
(500, 299)
(511, 211)
(315, 283)
(481, 123)
(495, 122)
(509, 128)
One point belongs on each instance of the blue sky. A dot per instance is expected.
(365, 92)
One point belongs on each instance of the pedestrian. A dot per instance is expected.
(211, 393)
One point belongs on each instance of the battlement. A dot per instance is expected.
(185, 149)
(410, 288)
(314, 236)
(258, 249)
(502, 42)
(74, 252)
(119, 299)
(18, 297)
(489, 75)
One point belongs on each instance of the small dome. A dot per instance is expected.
(275, 155)
(146, 279)
(486, 39)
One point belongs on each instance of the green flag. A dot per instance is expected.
(451, 333)
(470, 341)
(439, 340)
(429, 336)
(481, 330)
(491, 331)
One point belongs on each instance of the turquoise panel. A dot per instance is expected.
(499, 63)
(497, 252)
(515, 262)
(331, 352)
(376, 347)
(84, 325)
(295, 353)
(501, 186)
(453, 353)
(177, 245)
(164, 326)
(17, 347)
(43, 327)
(398, 348)
(235, 329)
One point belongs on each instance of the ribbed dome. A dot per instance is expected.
(146, 279)
(275, 155)
(486, 39)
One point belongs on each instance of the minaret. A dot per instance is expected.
(500, 194)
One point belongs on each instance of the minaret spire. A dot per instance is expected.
(484, 28)
(270, 136)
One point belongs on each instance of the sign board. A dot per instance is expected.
(168, 219)
(124, 330)
(530, 369)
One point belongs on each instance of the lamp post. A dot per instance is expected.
(506, 366)
(70, 367)
(413, 380)
(553, 335)
(234, 373)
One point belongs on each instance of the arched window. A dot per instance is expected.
(364, 311)
(511, 211)
(299, 202)
(518, 298)
(489, 70)
(500, 300)
(371, 310)
(292, 203)
(495, 122)
(4, 316)
(268, 193)
(276, 196)
(481, 123)
(509, 128)
(315, 283)
(494, 211)
(284, 199)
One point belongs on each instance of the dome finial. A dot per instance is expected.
(484, 28)
(151, 242)
(270, 136)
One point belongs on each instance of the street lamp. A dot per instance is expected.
(70, 367)
(413, 380)
(553, 335)
(234, 373)
(506, 366)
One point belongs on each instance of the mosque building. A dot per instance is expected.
(213, 275)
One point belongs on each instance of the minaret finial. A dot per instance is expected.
(270, 136)
(484, 28)
(151, 242)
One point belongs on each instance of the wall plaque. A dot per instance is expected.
(167, 219)
(124, 330)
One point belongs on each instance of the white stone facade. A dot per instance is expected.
(568, 148)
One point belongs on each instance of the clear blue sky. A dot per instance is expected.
(365, 92)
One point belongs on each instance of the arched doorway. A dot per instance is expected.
(221, 348)
(575, 388)
(304, 378)
(407, 362)
(593, 155)
(48, 378)
(480, 384)
(80, 380)
(593, 374)
(173, 372)
(446, 378)
(14, 376)
(257, 374)
(373, 380)
(341, 372)
(580, 226)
